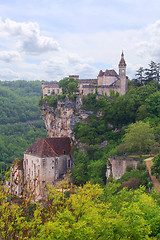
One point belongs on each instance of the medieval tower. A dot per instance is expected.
(122, 76)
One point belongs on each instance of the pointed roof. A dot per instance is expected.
(108, 73)
(122, 62)
(50, 147)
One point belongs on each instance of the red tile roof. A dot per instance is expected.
(108, 73)
(50, 147)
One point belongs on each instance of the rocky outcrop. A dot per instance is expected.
(59, 122)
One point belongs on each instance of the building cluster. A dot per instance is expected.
(105, 82)
(47, 160)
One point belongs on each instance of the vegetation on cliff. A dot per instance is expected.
(129, 123)
(69, 85)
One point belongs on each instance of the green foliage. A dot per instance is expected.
(89, 212)
(20, 123)
(49, 100)
(72, 97)
(143, 176)
(125, 109)
(153, 104)
(89, 102)
(129, 168)
(62, 97)
(16, 107)
(139, 137)
(80, 173)
(155, 168)
(69, 85)
(16, 138)
(141, 113)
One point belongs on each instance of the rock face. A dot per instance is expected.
(116, 165)
(59, 122)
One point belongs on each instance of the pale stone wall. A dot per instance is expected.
(106, 80)
(48, 90)
(41, 171)
(117, 165)
(101, 90)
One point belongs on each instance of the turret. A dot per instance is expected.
(122, 75)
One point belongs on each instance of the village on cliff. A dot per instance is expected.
(48, 160)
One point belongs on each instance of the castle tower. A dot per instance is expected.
(122, 75)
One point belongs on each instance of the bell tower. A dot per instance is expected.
(122, 75)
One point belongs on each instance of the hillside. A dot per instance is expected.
(20, 122)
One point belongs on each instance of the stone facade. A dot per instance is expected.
(105, 82)
(46, 161)
(49, 88)
(116, 165)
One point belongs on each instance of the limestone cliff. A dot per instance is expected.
(59, 122)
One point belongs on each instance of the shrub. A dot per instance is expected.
(131, 183)
(129, 168)
(62, 97)
(72, 97)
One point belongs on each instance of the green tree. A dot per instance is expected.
(139, 137)
(68, 85)
(80, 171)
(153, 104)
(139, 74)
(141, 112)
(155, 169)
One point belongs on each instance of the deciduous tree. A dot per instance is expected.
(139, 137)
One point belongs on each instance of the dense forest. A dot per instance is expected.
(20, 122)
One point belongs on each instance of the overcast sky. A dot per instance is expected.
(50, 39)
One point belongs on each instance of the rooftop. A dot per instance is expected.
(50, 147)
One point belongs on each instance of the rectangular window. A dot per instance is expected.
(69, 163)
(43, 162)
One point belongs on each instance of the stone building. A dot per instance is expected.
(106, 81)
(46, 161)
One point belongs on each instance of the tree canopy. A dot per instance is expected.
(69, 85)
(20, 123)
(139, 137)
(155, 168)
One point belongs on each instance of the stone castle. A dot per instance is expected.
(105, 82)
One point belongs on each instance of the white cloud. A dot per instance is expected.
(29, 37)
(8, 74)
(9, 56)
(37, 56)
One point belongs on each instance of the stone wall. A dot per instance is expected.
(116, 165)
(45, 170)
